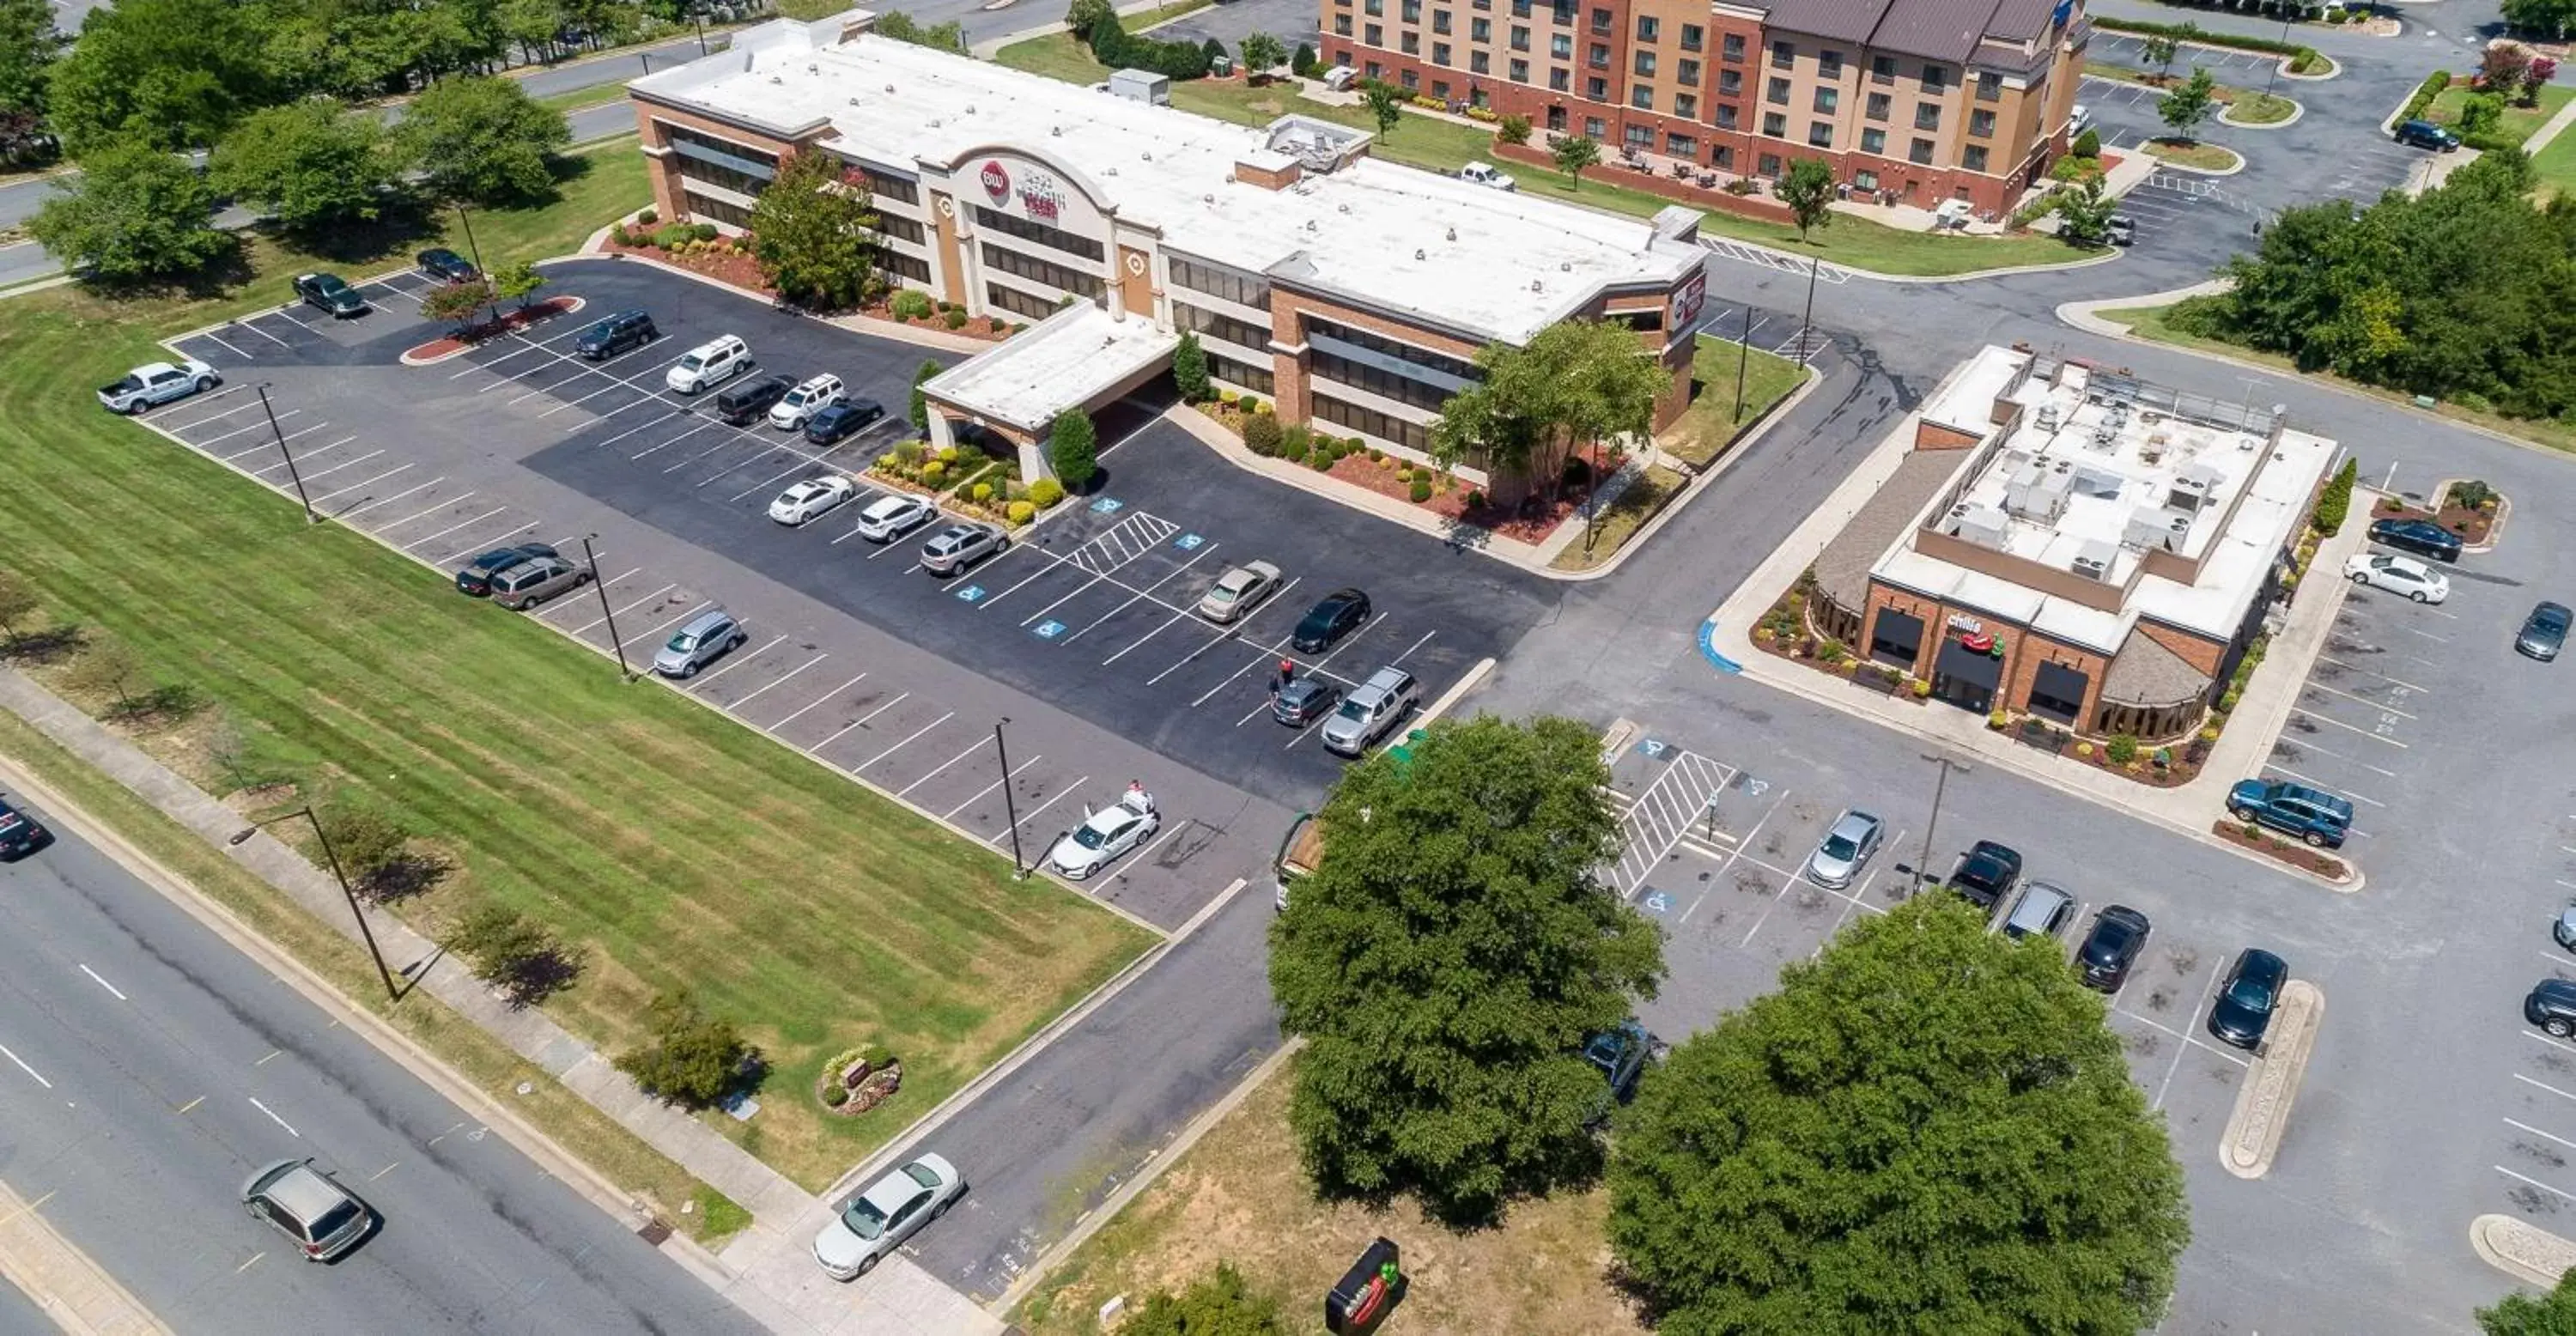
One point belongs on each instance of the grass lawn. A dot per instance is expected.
(581, 99)
(1711, 422)
(673, 846)
(2554, 167)
(1239, 1196)
(2519, 121)
(2194, 153)
(1639, 502)
(1439, 145)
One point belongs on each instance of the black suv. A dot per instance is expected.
(20, 834)
(447, 266)
(748, 402)
(2119, 935)
(2247, 999)
(1335, 615)
(475, 580)
(2551, 1005)
(1986, 874)
(2424, 538)
(331, 293)
(616, 334)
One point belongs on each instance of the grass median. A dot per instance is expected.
(1716, 417)
(675, 847)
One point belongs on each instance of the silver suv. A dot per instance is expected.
(535, 580)
(307, 1205)
(1368, 712)
(705, 638)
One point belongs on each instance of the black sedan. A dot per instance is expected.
(2119, 934)
(1335, 615)
(20, 834)
(2246, 1000)
(839, 422)
(474, 580)
(1986, 874)
(447, 266)
(2544, 632)
(2424, 538)
(2551, 1005)
(332, 293)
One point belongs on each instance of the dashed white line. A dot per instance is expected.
(272, 1116)
(111, 988)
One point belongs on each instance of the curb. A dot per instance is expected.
(1700, 481)
(2334, 66)
(2298, 112)
(67, 1283)
(410, 357)
(2495, 527)
(2262, 1113)
(2169, 165)
(2522, 1249)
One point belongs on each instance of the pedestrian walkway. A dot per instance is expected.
(60, 1279)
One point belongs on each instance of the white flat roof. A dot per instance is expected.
(1453, 254)
(1057, 364)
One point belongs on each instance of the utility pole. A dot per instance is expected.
(1010, 804)
(492, 300)
(1814, 263)
(624, 673)
(1743, 354)
(242, 837)
(309, 516)
(1923, 866)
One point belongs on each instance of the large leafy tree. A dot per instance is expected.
(813, 233)
(1928, 1128)
(1808, 189)
(2554, 18)
(313, 164)
(1445, 961)
(1575, 382)
(2552, 1314)
(29, 46)
(134, 213)
(482, 140)
(172, 73)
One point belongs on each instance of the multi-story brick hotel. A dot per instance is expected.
(1927, 100)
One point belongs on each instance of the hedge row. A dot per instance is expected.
(2430, 89)
(2193, 32)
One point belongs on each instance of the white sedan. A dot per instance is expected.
(2398, 575)
(812, 497)
(890, 517)
(1106, 834)
(881, 1218)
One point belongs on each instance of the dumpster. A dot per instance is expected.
(1366, 1292)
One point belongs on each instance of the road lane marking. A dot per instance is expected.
(93, 974)
(272, 1116)
(952, 812)
(22, 1066)
(826, 696)
(905, 743)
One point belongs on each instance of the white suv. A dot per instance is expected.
(807, 399)
(709, 364)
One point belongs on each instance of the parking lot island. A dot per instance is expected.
(2262, 1113)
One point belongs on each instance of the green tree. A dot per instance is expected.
(2552, 1314)
(814, 233)
(693, 1060)
(18, 602)
(482, 140)
(1445, 962)
(1073, 447)
(29, 47)
(1085, 16)
(512, 952)
(2188, 104)
(1385, 105)
(2334, 500)
(1573, 383)
(171, 73)
(1304, 63)
(1573, 153)
(311, 164)
(2084, 212)
(518, 281)
(1513, 129)
(2555, 18)
(1190, 369)
(919, 405)
(457, 303)
(1214, 1305)
(1812, 1165)
(1263, 53)
(134, 213)
(2086, 145)
(2480, 113)
(2160, 51)
(108, 669)
(367, 841)
(1808, 189)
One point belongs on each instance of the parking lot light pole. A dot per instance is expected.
(1010, 805)
(624, 673)
(242, 836)
(1743, 354)
(1807, 317)
(1923, 867)
(309, 516)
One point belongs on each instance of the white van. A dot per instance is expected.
(709, 364)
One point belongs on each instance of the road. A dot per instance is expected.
(154, 1068)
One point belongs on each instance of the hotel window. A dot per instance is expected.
(1410, 41)
(1402, 352)
(1601, 22)
(886, 185)
(1440, 21)
(1370, 422)
(1825, 100)
(1981, 124)
(1024, 305)
(1935, 78)
(1686, 106)
(717, 174)
(1341, 25)
(1412, 11)
(1767, 165)
(1036, 270)
(1775, 124)
(1382, 383)
(1974, 158)
(1562, 13)
(1598, 57)
(1882, 69)
(1829, 64)
(1412, 82)
(1254, 378)
(901, 229)
(1440, 89)
(1520, 9)
(1375, 70)
(1726, 115)
(1645, 64)
(1734, 46)
(1240, 288)
(1375, 36)
(1519, 71)
(1875, 108)
(1480, 30)
(1559, 80)
(1730, 83)
(722, 211)
(1053, 238)
(1920, 151)
(1722, 158)
(1479, 63)
(1681, 146)
(1648, 28)
(1560, 47)
(1218, 325)
(1439, 53)
(1927, 115)
(1641, 96)
(1687, 71)
(1556, 120)
(1692, 34)
(1638, 137)
(1520, 38)
(917, 270)
(1783, 55)
(1375, 9)
(1598, 90)
(1820, 134)
(1592, 127)
(1476, 94)
(1990, 87)
(1776, 92)
(1864, 180)
(1873, 141)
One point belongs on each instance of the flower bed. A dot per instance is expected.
(905, 306)
(2467, 508)
(2272, 846)
(516, 318)
(1435, 490)
(724, 259)
(967, 482)
(859, 1080)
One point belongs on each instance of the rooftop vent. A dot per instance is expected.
(970, 108)
(1055, 132)
(1536, 286)
(889, 88)
(776, 80)
(813, 69)
(1418, 253)
(1147, 156)
(1207, 199)
(1565, 266)
(1343, 207)
(1453, 234)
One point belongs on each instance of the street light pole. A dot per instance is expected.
(309, 516)
(1923, 866)
(1743, 354)
(624, 673)
(1010, 805)
(242, 837)
(1814, 263)
(701, 21)
(491, 299)
(2268, 79)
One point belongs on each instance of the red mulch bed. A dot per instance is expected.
(980, 327)
(729, 267)
(2472, 526)
(534, 313)
(2272, 846)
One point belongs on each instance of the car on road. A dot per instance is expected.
(877, 1221)
(1334, 615)
(330, 293)
(1106, 834)
(836, 423)
(474, 579)
(1373, 707)
(1303, 701)
(2425, 134)
(2397, 575)
(2042, 911)
(708, 365)
(1846, 849)
(158, 383)
(20, 834)
(622, 332)
(1236, 591)
(2118, 936)
(2121, 230)
(811, 395)
(2314, 815)
(2247, 997)
(2544, 632)
(1986, 874)
(535, 580)
(700, 641)
(960, 546)
(446, 266)
(748, 402)
(307, 1205)
(2424, 538)
(891, 517)
(2551, 1005)
(815, 496)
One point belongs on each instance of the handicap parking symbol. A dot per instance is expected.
(1049, 629)
(972, 593)
(1108, 505)
(1653, 748)
(1657, 902)
(1188, 542)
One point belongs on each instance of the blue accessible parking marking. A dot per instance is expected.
(1188, 542)
(972, 593)
(1656, 902)
(1108, 505)
(1653, 749)
(1048, 630)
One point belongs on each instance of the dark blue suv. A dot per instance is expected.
(2314, 815)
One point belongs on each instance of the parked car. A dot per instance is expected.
(1238, 590)
(811, 396)
(836, 423)
(2314, 815)
(622, 332)
(20, 834)
(2551, 1005)
(960, 546)
(330, 293)
(2562, 929)
(2544, 632)
(535, 580)
(446, 266)
(1846, 849)
(1303, 701)
(2397, 575)
(1372, 708)
(877, 1221)
(1106, 834)
(2042, 911)
(891, 517)
(749, 401)
(474, 580)
(2424, 538)
(2078, 119)
(324, 1219)
(2121, 230)
(710, 364)
(1488, 175)
(2118, 936)
(1986, 874)
(1334, 615)
(2425, 134)
(1620, 1054)
(815, 496)
(700, 641)
(2247, 996)
(158, 383)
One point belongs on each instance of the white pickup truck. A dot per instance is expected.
(1485, 174)
(158, 383)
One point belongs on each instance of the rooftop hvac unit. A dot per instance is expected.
(2048, 417)
(2092, 568)
(1984, 526)
(2154, 526)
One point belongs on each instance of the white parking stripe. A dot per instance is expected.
(454, 527)
(1204, 549)
(208, 444)
(310, 474)
(740, 660)
(783, 677)
(2389, 709)
(903, 744)
(971, 748)
(898, 700)
(826, 696)
(2323, 719)
(362, 509)
(1004, 833)
(481, 544)
(550, 607)
(368, 483)
(979, 794)
(238, 324)
(309, 452)
(424, 514)
(2571, 1196)
(665, 626)
(585, 627)
(2545, 1086)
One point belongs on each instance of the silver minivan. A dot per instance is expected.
(1370, 710)
(2042, 911)
(704, 639)
(535, 580)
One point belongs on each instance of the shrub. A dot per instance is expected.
(887, 461)
(2473, 494)
(1261, 435)
(1475, 500)
(618, 236)
(2084, 749)
(955, 319)
(692, 1060)
(1291, 435)
(948, 454)
(1294, 453)
(1420, 491)
(907, 453)
(1046, 492)
(1375, 455)
(2334, 501)
(982, 492)
(1320, 460)
(933, 471)
(1228, 397)
(1073, 446)
(1304, 64)
(835, 1094)
(703, 232)
(1021, 512)
(1830, 651)
(2425, 92)
(2087, 144)
(1514, 130)
(649, 216)
(909, 304)
(2122, 749)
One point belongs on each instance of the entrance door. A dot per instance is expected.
(1965, 678)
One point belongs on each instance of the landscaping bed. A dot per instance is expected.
(2468, 508)
(1432, 490)
(2264, 842)
(2194, 155)
(1713, 423)
(1649, 490)
(967, 481)
(696, 247)
(510, 322)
